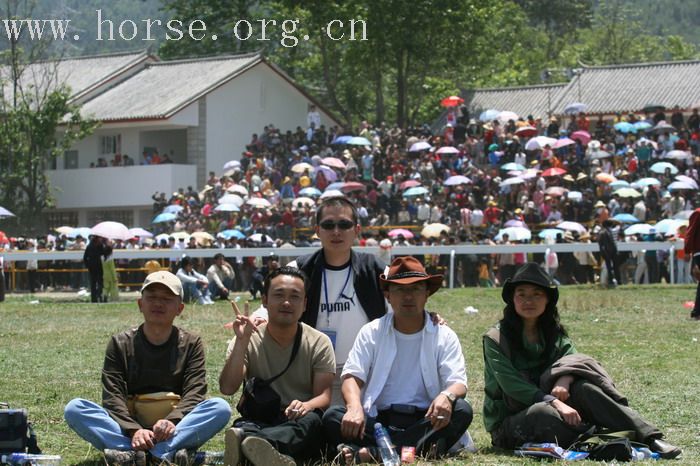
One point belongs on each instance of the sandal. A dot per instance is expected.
(373, 452)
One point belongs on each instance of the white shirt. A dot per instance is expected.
(374, 352)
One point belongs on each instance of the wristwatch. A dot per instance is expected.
(450, 396)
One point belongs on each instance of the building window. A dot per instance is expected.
(70, 159)
(59, 219)
(122, 216)
(111, 144)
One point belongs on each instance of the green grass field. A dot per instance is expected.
(52, 352)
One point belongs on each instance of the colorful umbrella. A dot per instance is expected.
(452, 101)
(526, 131)
(341, 140)
(627, 192)
(415, 191)
(457, 180)
(489, 115)
(333, 162)
(626, 218)
(581, 135)
(232, 233)
(447, 150)
(433, 230)
(302, 167)
(408, 234)
(409, 184)
(359, 141)
(563, 142)
(310, 192)
(661, 167)
(512, 166)
(507, 115)
(419, 146)
(554, 171)
(538, 142)
(165, 217)
(111, 230)
(514, 234)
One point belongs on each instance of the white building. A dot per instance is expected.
(200, 112)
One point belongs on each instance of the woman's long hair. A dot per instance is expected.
(512, 326)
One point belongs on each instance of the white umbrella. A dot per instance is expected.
(111, 230)
(419, 146)
(302, 167)
(260, 238)
(331, 193)
(258, 202)
(660, 167)
(572, 226)
(514, 234)
(227, 208)
(574, 108)
(687, 179)
(539, 142)
(677, 155)
(683, 215)
(203, 237)
(231, 199)
(64, 230)
(5, 213)
(140, 232)
(511, 181)
(600, 154)
(575, 195)
(447, 150)
(506, 115)
(669, 225)
(237, 189)
(457, 180)
(680, 186)
(232, 165)
(639, 229)
(433, 230)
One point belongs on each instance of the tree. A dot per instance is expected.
(38, 123)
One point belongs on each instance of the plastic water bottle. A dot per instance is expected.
(210, 458)
(24, 459)
(643, 453)
(386, 448)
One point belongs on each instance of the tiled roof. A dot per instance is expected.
(81, 74)
(526, 100)
(604, 89)
(629, 88)
(162, 89)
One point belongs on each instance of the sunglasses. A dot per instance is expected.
(341, 224)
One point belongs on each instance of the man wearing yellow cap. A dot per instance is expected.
(153, 380)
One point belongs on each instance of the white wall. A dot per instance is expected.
(118, 186)
(244, 106)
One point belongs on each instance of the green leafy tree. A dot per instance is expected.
(38, 123)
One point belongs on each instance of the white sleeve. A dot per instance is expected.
(184, 278)
(451, 365)
(359, 360)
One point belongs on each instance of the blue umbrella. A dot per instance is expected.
(341, 140)
(574, 108)
(359, 141)
(5, 213)
(415, 191)
(642, 125)
(626, 218)
(512, 166)
(625, 127)
(232, 234)
(619, 184)
(648, 182)
(164, 217)
(489, 115)
(337, 186)
(310, 192)
(83, 232)
(173, 209)
(639, 229)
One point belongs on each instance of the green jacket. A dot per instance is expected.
(513, 385)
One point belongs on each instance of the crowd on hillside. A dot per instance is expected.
(476, 176)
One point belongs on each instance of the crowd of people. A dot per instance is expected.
(342, 368)
(478, 178)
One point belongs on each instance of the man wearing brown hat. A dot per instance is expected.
(403, 371)
(153, 379)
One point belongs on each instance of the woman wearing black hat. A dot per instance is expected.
(530, 392)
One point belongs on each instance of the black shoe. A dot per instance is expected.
(664, 449)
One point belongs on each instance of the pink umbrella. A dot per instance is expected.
(563, 142)
(553, 172)
(581, 135)
(409, 184)
(352, 186)
(333, 162)
(408, 234)
(447, 150)
(556, 191)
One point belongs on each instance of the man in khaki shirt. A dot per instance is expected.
(304, 388)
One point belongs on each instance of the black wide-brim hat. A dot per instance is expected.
(533, 274)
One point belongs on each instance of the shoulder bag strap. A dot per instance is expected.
(295, 350)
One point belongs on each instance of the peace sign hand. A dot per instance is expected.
(243, 327)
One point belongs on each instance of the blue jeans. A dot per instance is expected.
(94, 424)
(193, 291)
